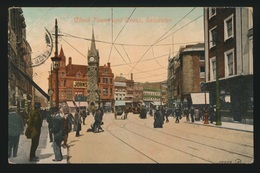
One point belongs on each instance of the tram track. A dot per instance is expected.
(127, 122)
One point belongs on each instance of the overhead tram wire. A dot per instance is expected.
(126, 54)
(126, 44)
(111, 35)
(181, 28)
(74, 48)
(113, 41)
(150, 59)
(156, 59)
(160, 38)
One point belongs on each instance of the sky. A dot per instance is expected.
(134, 40)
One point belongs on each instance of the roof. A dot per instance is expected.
(120, 79)
(196, 47)
(76, 68)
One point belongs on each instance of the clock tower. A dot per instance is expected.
(93, 97)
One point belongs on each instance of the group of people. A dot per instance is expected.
(60, 121)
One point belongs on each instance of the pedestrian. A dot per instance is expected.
(126, 112)
(34, 124)
(83, 115)
(211, 113)
(77, 122)
(167, 114)
(178, 113)
(24, 115)
(186, 113)
(66, 128)
(192, 113)
(158, 118)
(151, 111)
(98, 120)
(50, 124)
(58, 135)
(15, 129)
(71, 121)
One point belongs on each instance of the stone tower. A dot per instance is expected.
(92, 72)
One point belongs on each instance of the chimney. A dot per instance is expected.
(108, 64)
(131, 76)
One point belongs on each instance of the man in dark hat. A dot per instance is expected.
(15, 129)
(35, 124)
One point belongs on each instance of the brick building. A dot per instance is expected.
(229, 43)
(188, 72)
(73, 83)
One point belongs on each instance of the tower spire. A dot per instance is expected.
(93, 44)
(93, 51)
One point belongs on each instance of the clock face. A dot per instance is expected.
(91, 59)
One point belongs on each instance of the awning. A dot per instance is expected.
(156, 103)
(119, 103)
(81, 104)
(29, 79)
(70, 104)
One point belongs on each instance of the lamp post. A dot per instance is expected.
(55, 60)
(218, 117)
(50, 89)
(206, 119)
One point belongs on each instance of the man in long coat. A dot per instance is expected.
(57, 130)
(77, 122)
(158, 118)
(35, 123)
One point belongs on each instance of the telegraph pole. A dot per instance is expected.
(55, 61)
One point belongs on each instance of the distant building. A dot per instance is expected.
(152, 96)
(187, 72)
(120, 88)
(106, 86)
(138, 92)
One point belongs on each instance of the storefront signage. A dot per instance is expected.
(79, 84)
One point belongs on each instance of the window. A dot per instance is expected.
(212, 37)
(213, 68)
(105, 80)
(78, 75)
(202, 72)
(68, 93)
(202, 57)
(105, 91)
(228, 27)
(111, 80)
(212, 12)
(111, 91)
(229, 61)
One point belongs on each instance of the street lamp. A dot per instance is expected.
(55, 60)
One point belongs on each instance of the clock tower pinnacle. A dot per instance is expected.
(92, 72)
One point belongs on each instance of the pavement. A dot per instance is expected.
(46, 154)
(44, 151)
(228, 125)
